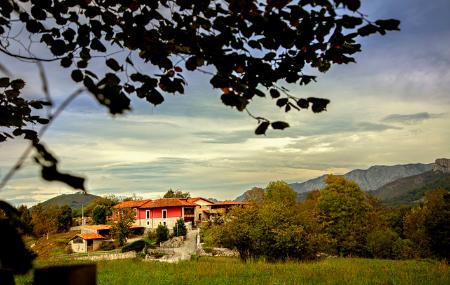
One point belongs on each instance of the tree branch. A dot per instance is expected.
(27, 151)
(5, 51)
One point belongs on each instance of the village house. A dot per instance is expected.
(166, 211)
(202, 209)
(151, 213)
(222, 207)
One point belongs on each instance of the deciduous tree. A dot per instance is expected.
(121, 227)
(64, 218)
(428, 225)
(344, 209)
(272, 229)
(108, 202)
(437, 223)
(176, 194)
(99, 214)
(44, 219)
(25, 217)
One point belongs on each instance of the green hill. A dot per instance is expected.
(72, 200)
(412, 189)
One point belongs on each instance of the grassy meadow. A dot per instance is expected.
(216, 270)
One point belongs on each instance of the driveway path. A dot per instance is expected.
(184, 252)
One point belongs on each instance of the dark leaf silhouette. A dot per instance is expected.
(262, 128)
(318, 104)
(279, 125)
(49, 169)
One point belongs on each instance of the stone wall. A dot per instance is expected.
(109, 256)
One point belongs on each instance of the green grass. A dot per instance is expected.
(214, 270)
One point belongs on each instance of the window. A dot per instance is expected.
(164, 223)
(147, 214)
(199, 217)
(135, 212)
(188, 211)
(148, 223)
(78, 240)
(164, 214)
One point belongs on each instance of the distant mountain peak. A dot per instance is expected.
(74, 200)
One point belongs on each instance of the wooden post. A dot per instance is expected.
(83, 274)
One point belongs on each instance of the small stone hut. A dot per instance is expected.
(86, 242)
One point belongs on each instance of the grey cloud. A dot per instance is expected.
(409, 119)
(164, 166)
(374, 127)
(225, 138)
(324, 128)
(22, 201)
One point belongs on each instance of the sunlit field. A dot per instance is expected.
(206, 270)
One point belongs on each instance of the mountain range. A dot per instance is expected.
(393, 185)
(369, 179)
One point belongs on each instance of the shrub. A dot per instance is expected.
(137, 246)
(380, 243)
(151, 235)
(162, 233)
(68, 249)
(207, 249)
(404, 249)
(107, 245)
(180, 228)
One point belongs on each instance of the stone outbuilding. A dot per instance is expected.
(86, 242)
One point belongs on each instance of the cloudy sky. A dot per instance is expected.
(392, 107)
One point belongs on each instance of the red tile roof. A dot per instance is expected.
(228, 203)
(193, 200)
(167, 202)
(131, 204)
(90, 236)
(97, 227)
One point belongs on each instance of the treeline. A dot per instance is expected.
(43, 220)
(340, 219)
(47, 219)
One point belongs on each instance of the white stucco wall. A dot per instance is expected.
(78, 247)
(154, 222)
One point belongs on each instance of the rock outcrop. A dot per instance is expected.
(442, 165)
